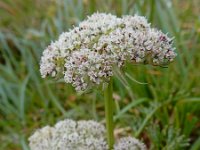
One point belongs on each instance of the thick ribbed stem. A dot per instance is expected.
(108, 91)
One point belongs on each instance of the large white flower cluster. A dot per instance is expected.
(85, 56)
(70, 135)
(80, 135)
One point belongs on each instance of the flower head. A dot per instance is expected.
(129, 143)
(70, 135)
(85, 56)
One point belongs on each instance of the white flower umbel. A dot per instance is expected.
(70, 135)
(129, 143)
(85, 56)
(78, 135)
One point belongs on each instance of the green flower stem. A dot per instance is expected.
(108, 92)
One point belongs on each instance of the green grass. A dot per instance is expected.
(163, 113)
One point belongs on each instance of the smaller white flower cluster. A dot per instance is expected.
(85, 56)
(80, 135)
(129, 143)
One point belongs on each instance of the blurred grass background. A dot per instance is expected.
(165, 113)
